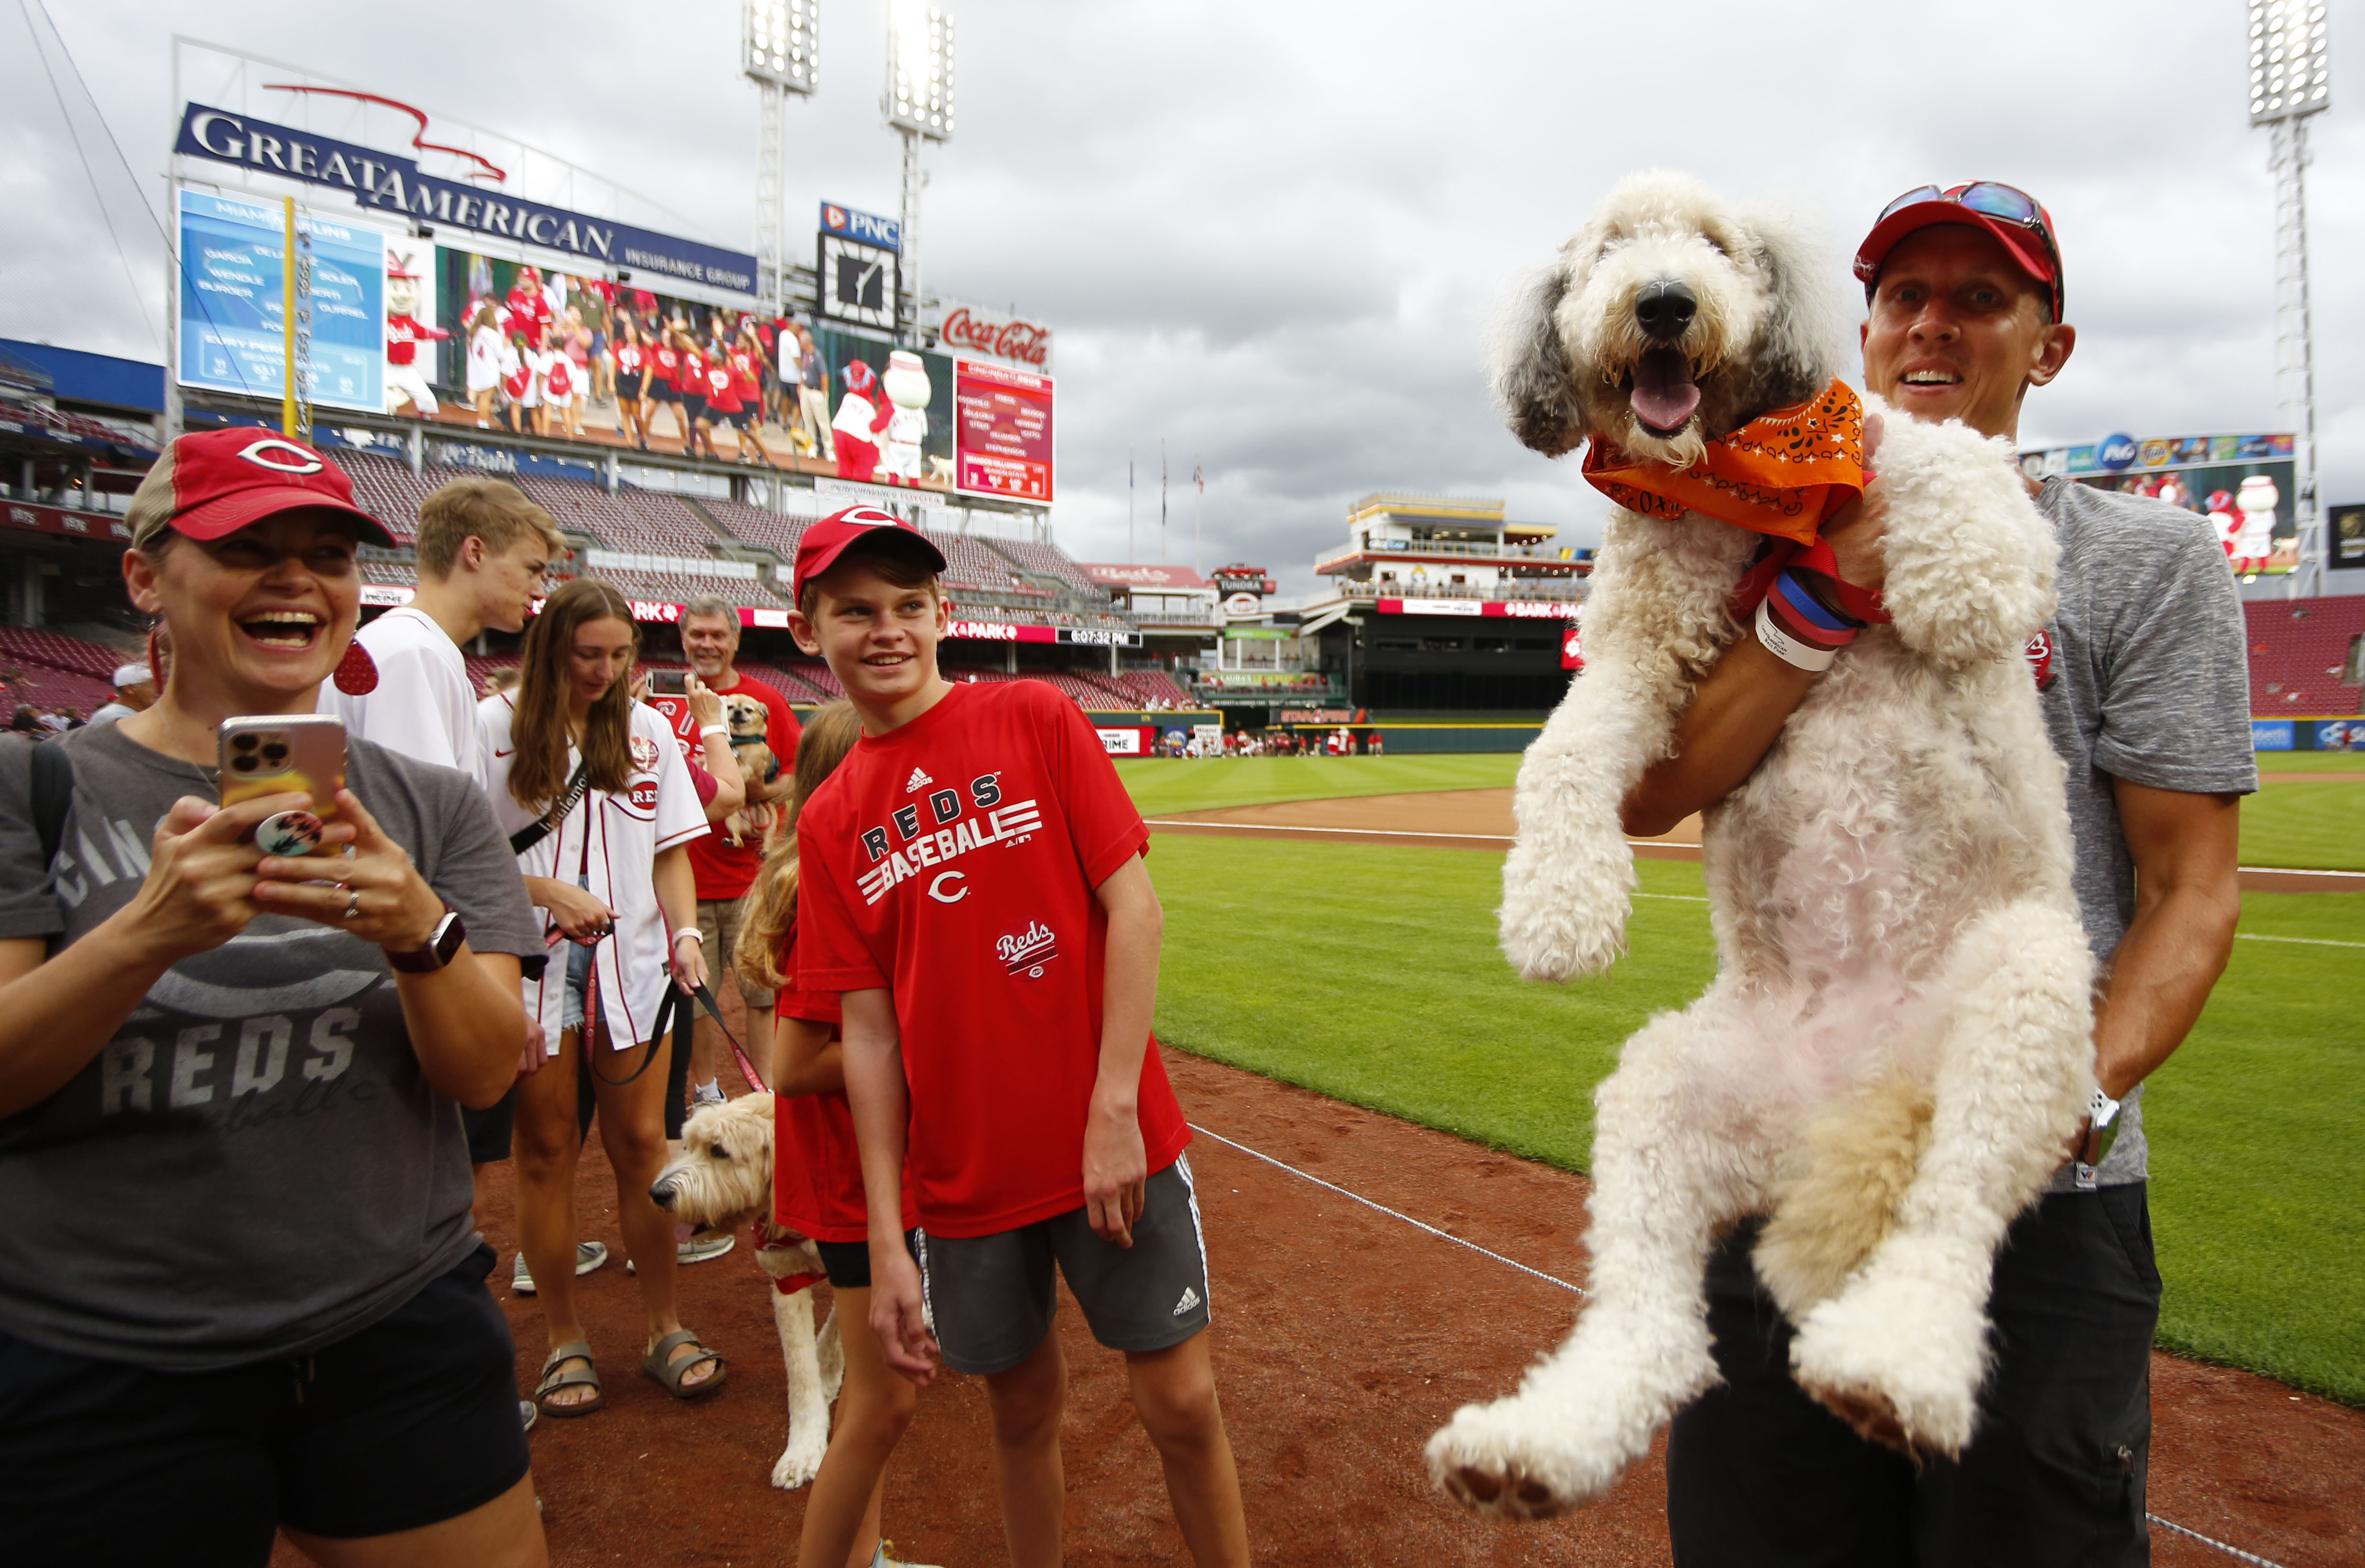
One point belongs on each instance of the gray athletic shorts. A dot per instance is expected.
(992, 1298)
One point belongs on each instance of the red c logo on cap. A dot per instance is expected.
(871, 517)
(281, 456)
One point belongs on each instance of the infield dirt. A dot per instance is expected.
(1343, 1337)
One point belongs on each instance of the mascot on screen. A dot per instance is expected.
(861, 422)
(2254, 548)
(405, 380)
(1894, 1049)
(906, 384)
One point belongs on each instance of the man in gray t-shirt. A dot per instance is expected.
(2146, 695)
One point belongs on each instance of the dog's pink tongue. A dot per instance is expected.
(1664, 394)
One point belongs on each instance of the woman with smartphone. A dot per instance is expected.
(239, 1290)
(593, 789)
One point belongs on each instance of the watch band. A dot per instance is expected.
(438, 950)
(2102, 1130)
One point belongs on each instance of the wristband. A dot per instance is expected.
(1796, 628)
(694, 933)
(706, 730)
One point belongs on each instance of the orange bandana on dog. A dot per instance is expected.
(1784, 473)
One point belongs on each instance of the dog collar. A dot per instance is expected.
(1783, 474)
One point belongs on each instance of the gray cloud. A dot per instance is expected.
(1273, 234)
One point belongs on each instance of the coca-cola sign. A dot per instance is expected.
(969, 333)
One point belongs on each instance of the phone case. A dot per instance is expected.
(273, 754)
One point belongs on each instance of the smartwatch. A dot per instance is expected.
(436, 951)
(2102, 1130)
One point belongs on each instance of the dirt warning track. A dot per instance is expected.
(1344, 1336)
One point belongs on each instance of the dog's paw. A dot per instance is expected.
(1492, 1459)
(798, 1464)
(1901, 1360)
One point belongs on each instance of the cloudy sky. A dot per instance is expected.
(1273, 235)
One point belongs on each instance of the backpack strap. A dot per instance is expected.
(52, 796)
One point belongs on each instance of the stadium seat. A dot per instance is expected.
(2296, 664)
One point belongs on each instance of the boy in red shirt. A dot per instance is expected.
(972, 884)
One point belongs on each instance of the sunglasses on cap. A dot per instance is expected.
(1991, 200)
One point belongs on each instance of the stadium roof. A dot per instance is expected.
(101, 380)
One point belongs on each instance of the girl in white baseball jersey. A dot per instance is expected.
(571, 753)
(484, 362)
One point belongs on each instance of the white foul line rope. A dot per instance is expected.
(1392, 1214)
(2309, 941)
(2251, 1558)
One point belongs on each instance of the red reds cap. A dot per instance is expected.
(210, 483)
(2017, 220)
(824, 541)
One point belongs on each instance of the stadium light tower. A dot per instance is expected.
(2290, 78)
(919, 105)
(778, 54)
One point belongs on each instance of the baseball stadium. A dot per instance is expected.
(1392, 1133)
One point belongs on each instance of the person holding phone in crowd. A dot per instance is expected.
(594, 794)
(240, 1292)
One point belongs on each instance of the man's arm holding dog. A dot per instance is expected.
(874, 1087)
(1739, 706)
(2188, 896)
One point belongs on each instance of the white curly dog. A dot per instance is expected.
(721, 1180)
(1896, 1048)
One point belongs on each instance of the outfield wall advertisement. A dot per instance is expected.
(233, 302)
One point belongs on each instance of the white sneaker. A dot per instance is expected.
(880, 1558)
(696, 1250)
(588, 1254)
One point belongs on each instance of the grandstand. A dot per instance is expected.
(754, 525)
(633, 521)
(1048, 561)
(2304, 655)
(387, 490)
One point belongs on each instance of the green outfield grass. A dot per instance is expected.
(1369, 974)
(2317, 824)
(1165, 787)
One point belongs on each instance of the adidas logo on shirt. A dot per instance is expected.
(1190, 1299)
(917, 782)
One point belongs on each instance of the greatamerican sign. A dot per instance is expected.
(391, 184)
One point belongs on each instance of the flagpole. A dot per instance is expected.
(1129, 506)
(1198, 510)
(1161, 500)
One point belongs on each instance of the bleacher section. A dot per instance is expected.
(387, 490)
(754, 525)
(1156, 686)
(2296, 664)
(1049, 562)
(647, 522)
(54, 651)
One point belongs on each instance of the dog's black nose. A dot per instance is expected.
(661, 1195)
(1664, 309)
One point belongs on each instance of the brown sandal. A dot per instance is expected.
(556, 1374)
(659, 1364)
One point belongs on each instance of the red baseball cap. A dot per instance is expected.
(823, 542)
(210, 483)
(2017, 220)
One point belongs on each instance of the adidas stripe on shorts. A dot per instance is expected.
(992, 1298)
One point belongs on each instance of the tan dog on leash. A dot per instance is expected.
(721, 1180)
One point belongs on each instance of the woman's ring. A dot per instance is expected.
(353, 904)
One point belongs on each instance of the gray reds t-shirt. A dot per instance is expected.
(255, 1165)
(2149, 681)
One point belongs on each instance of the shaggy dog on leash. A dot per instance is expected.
(723, 1179)
(1894, 1049)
